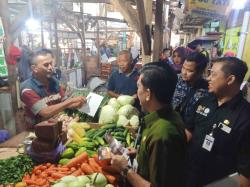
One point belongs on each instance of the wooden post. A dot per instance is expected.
(158, 39)
(83, 31)
(4, 13)
(42, 37)
(58, 64)
(146, 58)
(142, 23)
(50, 34)
(98, 45)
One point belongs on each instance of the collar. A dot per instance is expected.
(37, 82)
(129, 74)
(200, 83)
(154, 116)
(53, 83)
(234, 102)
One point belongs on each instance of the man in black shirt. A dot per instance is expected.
(220, 128)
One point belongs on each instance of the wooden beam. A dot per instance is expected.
(127, 11)
(158, 39)
(106, 18)
(144, 28)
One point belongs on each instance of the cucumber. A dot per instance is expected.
(125, 132)
(108, 126)
(87, 144)
(96, 142)
(99, 133)
(119, 129)
(121, 139)
(119, 134)
(90, 133)
(86, 139)
(100, 140)
(73, 145)
(128, 139)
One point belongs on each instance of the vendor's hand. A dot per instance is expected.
(76, 102)
(132, 152)
(119, 163)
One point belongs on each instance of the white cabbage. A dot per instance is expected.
(114, 103)
(122, 121)
(134, 121)
(108, 115)
(126, 99)
(128, 111)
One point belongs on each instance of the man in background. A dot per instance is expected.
(123, 81)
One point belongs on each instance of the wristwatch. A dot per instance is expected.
(125, 171)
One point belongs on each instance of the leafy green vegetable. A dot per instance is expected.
(13, 169)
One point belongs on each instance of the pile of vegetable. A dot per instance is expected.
(121, 112)
(94, 180)
(13, 169)
(47, 174)
(88, 140)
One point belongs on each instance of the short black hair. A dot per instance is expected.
(233, 66)
(40, 52)
(199, 59)
(166, 49)
(160, 79)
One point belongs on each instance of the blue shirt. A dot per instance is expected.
(121, 83)
(186, 96)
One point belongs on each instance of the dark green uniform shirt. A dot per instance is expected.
(161, 156)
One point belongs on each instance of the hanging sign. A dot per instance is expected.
(3, 65)
(208, 8)
(231, 40)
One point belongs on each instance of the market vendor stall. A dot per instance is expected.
(80, 159)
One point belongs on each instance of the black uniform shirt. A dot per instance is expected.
(229, 125)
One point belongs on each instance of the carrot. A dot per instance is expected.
(77, 172)
(41, 182)
(44, 175)
(57, 175)
(48, 165)
(77, 160)
(38, 172)
(87, 168)
(43, 167)
(63, 169)
(30, 182)
(33, 177)
(72, 169)
(109, 169)
(111, 179)
(94, 165)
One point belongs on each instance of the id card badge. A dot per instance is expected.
(208, 143)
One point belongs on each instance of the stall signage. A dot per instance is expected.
(231, 40)
(3, 65)
(208, 8)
